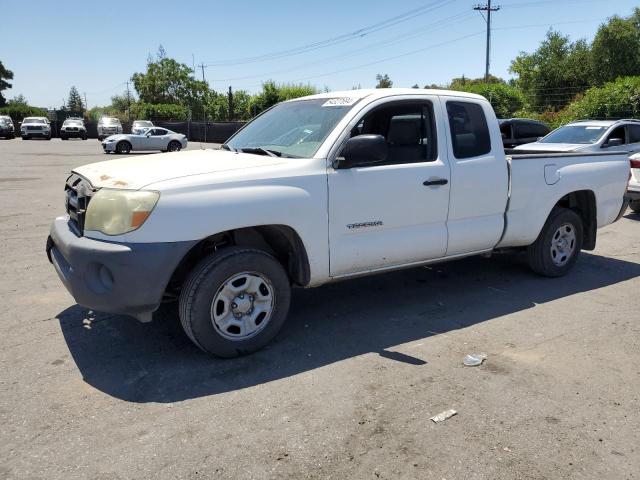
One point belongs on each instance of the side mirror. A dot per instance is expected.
(613, 142)
(363, 150)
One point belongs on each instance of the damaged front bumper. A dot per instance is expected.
(124, 278)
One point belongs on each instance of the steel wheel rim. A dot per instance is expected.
(242, 306)
(563, 244)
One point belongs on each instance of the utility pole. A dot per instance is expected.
(487, 8)
(128, 103)
(204, 107)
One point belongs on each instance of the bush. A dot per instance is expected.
(18, 111)
(505, 99)
(618, 99)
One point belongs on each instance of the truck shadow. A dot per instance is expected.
(155, 362)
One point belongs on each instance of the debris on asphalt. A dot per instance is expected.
(441, 417)
(474, 359)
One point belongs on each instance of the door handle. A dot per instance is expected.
(435, 181)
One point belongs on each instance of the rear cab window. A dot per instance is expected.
(469, 130)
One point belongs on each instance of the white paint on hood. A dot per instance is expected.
(133, 173)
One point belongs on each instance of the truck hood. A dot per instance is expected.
(552, 147)
(133, 173)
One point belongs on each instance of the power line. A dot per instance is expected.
(487, 8)
(403, 17)
(435, 26)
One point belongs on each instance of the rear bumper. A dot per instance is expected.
(113, 277)
(633, 194)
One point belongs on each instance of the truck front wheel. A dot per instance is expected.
(235, 301)
(557, 247)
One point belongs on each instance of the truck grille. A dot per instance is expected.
(78, 192)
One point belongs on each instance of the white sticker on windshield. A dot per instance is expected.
(340, 102)
(595, 128)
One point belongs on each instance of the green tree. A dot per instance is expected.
(505, 99)
(5, 74)
(18, 100)
(121, 103)
(383, 81)
(74, 102)
(273, 93)
(551, 76)
(168, 81)
(616, 48)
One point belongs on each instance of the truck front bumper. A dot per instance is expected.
(124, 278)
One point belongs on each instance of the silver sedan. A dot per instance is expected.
(155, 138)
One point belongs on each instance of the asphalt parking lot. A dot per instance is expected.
(347, 388)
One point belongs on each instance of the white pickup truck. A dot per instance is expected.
(315, 190)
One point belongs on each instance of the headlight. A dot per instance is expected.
(114, 212)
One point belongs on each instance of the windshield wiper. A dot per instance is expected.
(261, 150)
(224, 146)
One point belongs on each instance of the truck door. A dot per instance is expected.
(394, 212)
(479, 176)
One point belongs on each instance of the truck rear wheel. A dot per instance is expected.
(558, 246)
(235, 301)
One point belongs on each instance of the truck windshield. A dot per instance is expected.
(292, 129)
(583, 134)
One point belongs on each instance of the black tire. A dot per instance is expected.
(25, 137)
(548, 261)
(84, 137)
(209, 276)
(63, 138)
(123, 147)
(174, 146)
(635, 206)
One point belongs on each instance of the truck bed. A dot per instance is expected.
(538, 180)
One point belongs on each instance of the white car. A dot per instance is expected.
(315, 190)
(32, 127)
(73, 128)
(139, 125)
(155, 138)
(590, 136)
(633, 190)
(108, 126)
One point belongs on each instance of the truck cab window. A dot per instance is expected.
(634, 133)
(408, 128)
(469, 130)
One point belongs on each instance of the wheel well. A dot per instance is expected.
(280, 241)
(583, 202)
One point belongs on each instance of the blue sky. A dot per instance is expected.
(98, 45)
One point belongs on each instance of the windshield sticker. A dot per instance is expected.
(340, 102)
(594, 128)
